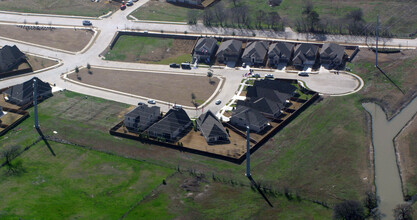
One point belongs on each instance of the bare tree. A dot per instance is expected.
(235, 2)
(403, 212)
(208, 17)
(349, 210)
(192, 16)
(260, 17)
(209, 75)
(220, 13)
(9, 154)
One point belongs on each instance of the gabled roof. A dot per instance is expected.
(231, 46)
(9, 57)
(25, 90)
(210, 126)
(303, 51)
(262, 104)
(175, 118)
(142, 110)
(282, 86)
(251, 116)
(256, 49)
(274, 95)
(332, 51)
(281, 49)
(205, 45)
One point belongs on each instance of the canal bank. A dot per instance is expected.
(387, 175)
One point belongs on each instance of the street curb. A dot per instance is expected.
(50, 15)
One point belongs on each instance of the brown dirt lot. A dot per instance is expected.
(38, 63)
(171, 88)
(61, 38)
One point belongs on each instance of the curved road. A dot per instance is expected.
(324, 82)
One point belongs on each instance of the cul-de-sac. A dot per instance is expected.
(208, 109)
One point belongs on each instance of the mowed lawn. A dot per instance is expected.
(187, 197)
(76, 184)
(151, 50)
(391, 12)
(62, 7)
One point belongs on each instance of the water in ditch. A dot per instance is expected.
(387, 177)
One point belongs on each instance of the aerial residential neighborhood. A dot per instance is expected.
(205, 109)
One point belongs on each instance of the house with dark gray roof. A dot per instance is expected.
(1, 111)
(141, 117)
(267, 107)
(205, 49)
(22, 94)
(10, 58)
(171, 125)
(280, 85)
(244, 116)
(190, 2)
(229, 51)
(305, 54)
(255, 53)
(211, 128)
(333, 55)
(280, 53)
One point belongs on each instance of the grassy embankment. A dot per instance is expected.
(150, 50)
(62, 7)
(390, 12)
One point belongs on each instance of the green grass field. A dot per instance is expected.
(62, 7)
(77, 183)
(390, 12)
(148, 50)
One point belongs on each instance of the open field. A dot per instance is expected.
(173, 88)
(61, 38)
(151, 50)
(406, 144)
(63, 7)
(77, 183)
(188, 197)
(397, 15)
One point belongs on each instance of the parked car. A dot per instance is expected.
(244, 65)
(177, 106)
(186, 66)
(123, 7)
(87, 23)
(256, 75)
(174, 65)
(218, 102)
(303, 73)
(151, 101)
(129, 3)
(269, 76)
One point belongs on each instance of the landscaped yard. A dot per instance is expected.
(61, 38)
(77, 183)
(63, 7)
(173, 88)
(391, 12)
(151, 50)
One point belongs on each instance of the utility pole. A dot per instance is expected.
(377, 33)
(247, 153)
(35, 102)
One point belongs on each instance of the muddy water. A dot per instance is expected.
(387, 177)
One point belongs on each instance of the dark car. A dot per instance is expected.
(87, 23)
(123, 7)
(186, 66)
(174, 65)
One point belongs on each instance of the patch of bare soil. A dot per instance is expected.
(38, 63)
(173, 88)
(179, 47)
(61, 38)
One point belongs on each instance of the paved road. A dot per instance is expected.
(325, 82)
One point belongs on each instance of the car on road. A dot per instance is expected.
(87, 23)
(174, 65)
(123, 7)
(151, 101)
(303, 73)
(256, 75)
(218, 102)
(269, 76)
(129, 3)
(186, 66)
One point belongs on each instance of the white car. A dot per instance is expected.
(270, 76)
(218, 102)
(151, 101)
